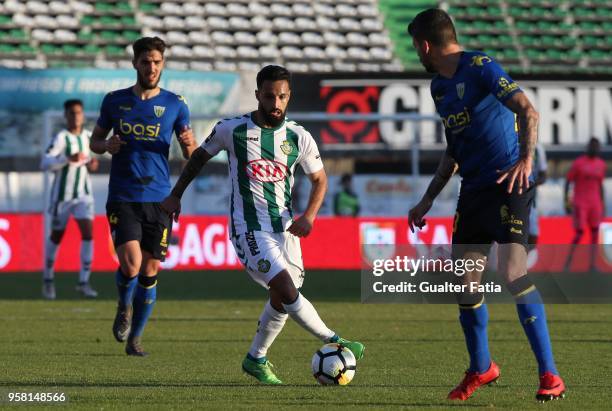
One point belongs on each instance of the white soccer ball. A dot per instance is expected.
(333, 364)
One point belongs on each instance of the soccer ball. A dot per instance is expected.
(333, 364)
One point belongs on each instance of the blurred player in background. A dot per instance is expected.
(478, 101)
(346, 202)
(143, 118)
(540, 173)
(587, 173)
(68, 156)
(264, 149)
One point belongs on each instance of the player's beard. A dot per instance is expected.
(271, 120)
(145, 84)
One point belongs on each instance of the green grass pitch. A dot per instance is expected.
(203, 324)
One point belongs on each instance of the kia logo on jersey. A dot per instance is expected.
(266, 171)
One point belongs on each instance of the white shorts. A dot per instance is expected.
(80, 208)
(266, 254)
(534, 226)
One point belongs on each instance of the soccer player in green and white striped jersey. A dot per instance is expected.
(68, 157)
(264, 149)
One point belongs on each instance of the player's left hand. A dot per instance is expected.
(186, 137)
(301, 227)
(172, 206)
(517, 174)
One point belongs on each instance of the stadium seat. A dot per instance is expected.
(199, 37)
(349, 24)
(358, 39)
(291, 52)
(341, 66)
(177, 37)
(305, 23)
(323, 10)
(42, 35)
(335, 53)
(358, 53)
(247, 52)
(301, 9)
(37, 7)
(320, 67)
(368, 67)
(225, 66)
(222, 37)
(172, 9)
(203, 52)
(201, 66)
(280, 9)
(237, 9)
(332, 37)
(326, 23)
(193, 9)
(297, 67)
(59, 7)
(380, 53)
(239, 23)
(225, 52)
(288, 37)
(215, 9)
(315, 53)
(258, 9)
(345, 10)
(244, 37)
(249, 66)
(181, 51)
(173, 22)
(269, 52)
(195, 22)
(266, 37)
(312, 38)
(216, 22)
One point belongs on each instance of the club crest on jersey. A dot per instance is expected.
(263, 265)
(266, 171)
(460, 89)
(286, 147)
(159, 110)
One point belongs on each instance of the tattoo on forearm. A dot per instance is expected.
(191, 170)
(528, 134)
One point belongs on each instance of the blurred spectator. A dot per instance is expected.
(346, 202)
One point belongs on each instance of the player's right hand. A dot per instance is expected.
(172, 206)
(113, 144)
(77, 157)
(417, 213)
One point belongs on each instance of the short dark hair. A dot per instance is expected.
(72, 102)
(346, 178)
(145, 44)
(273, 73)
(433, 25)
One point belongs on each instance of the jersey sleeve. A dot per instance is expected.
(494, 79)
(309, 157)
(105, 120)
(54, 157)
(182, 119)
(215, 142)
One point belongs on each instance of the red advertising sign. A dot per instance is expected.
(201, 242)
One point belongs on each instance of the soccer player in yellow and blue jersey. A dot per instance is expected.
(478, 102)
(143, 118)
